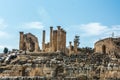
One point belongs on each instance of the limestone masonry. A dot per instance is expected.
(57, 43)
(55, 61)
(28, 42)
(108, 45)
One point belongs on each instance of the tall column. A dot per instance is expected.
(51, 35)
(70, 48)
(43, 41)
(75, 47)
(54, 41)
(64, 41)
(61, 39)
(58, 38)
(21, 41)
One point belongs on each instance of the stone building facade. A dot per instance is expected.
(28, 42)
(108, 45)
(57, 40)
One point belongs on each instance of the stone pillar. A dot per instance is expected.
(58, 38)
(54, 41)
(21, 41)
(61, 39)
(51, 35)
(70, 48)
(43, 41)
(75, 47)
(64, 41)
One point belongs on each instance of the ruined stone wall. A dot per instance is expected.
(47, 47)
(28, 42)
(107, 45)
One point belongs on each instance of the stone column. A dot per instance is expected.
(54, 41)
(58, 38)
(61, 39)
(21, 41)
(43, 41)
(75, 47)
(51, 35)
(65, 41)
(70, 48)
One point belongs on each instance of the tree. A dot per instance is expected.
(5, 50)
(86, 50)
(76, 40)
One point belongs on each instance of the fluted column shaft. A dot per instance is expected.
(58, 38)
(43, 41)
(21, 41)
(51, 37)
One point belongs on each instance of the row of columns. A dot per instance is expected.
(61, 39)
(57, 40)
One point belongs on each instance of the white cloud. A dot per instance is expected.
(2, 24)
(91, 32)
(33, 25)
(97, 29)
(4, 34)
(92, 29)
(1, 47)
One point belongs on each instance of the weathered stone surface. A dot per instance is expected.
(108, 45)
(51, 37)
(28, 42)
(57, 41)
(54, 40)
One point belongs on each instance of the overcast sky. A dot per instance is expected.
(92, 20)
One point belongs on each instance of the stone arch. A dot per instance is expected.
(103, 49)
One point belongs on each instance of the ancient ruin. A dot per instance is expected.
(74, 49)
(57, 41)
(50, 63)
(108, 45)
(28, 42)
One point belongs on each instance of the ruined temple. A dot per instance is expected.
(28, 42)
(57, 40)
(108, 45)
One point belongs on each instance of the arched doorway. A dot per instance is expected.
(103, 49)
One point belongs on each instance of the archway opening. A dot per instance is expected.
(103, 49)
